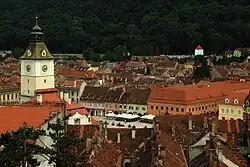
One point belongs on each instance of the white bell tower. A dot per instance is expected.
(37, 66)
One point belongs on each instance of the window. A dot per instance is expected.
(202, 107)
(143, 108)
(137, 108)
(28, 81)
(232, 111)
(72, 93)
(89, 119)
(130, 107)
(156, 107)
(124, 107)
(182, 109)
(166, 108)
(227, 111)
(222, 110)
(189, 109)
(161, 107)
(44, 81)
(239, 112)
(196, 108)
(247, 103)
(177, 109)
(28, 91)
(205, 107)
(193, 109)
(152, 107)
(7, 98)
(172, 108)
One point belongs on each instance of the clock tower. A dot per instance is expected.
(37, 65)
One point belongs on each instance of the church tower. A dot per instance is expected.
(37, 65)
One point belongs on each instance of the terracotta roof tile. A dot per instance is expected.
(195, 93)
(12, 118)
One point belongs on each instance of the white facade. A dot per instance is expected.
(46, 141)
(36, 74)
(199, 52)
(78, 119)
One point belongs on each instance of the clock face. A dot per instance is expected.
(44, 53)
(28, 68)
(45, 68)
(29, 53)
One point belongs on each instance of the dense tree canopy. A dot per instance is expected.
(141, 27)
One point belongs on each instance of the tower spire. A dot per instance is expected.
(37, 34)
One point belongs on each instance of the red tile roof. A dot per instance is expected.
(12, 118)
(195, 93)
(198, 47)
(233, 97)
(46, 90)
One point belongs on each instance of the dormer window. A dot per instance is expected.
(236, 101)
(77, 121)
(247, 103)
(227, 100)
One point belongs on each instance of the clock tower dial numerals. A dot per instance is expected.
(28, 68)
(44, 68)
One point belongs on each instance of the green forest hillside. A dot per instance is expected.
(141, 26)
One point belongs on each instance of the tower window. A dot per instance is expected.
(44, 81)
(28, 91)
(28, 81)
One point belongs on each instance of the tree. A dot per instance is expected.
(64, 148)
(18, 147)
(17, 52)
(202, 69)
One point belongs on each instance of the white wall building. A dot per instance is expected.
(199, 51)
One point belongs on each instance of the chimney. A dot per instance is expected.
(205, 125)
(61, 95)
(66, 97)
(160, 161)
(39, 99)
(190, 123)
(88, 144)
(173, 130)
(74, 84)
(118, 137)
(105, 130)
(133, 133)
(163, 151)
(214, 126)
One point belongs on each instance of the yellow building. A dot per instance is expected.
(9, 95)
(232, 106)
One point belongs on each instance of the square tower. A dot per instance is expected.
(37, 66)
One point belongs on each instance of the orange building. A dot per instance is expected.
(194, 99)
